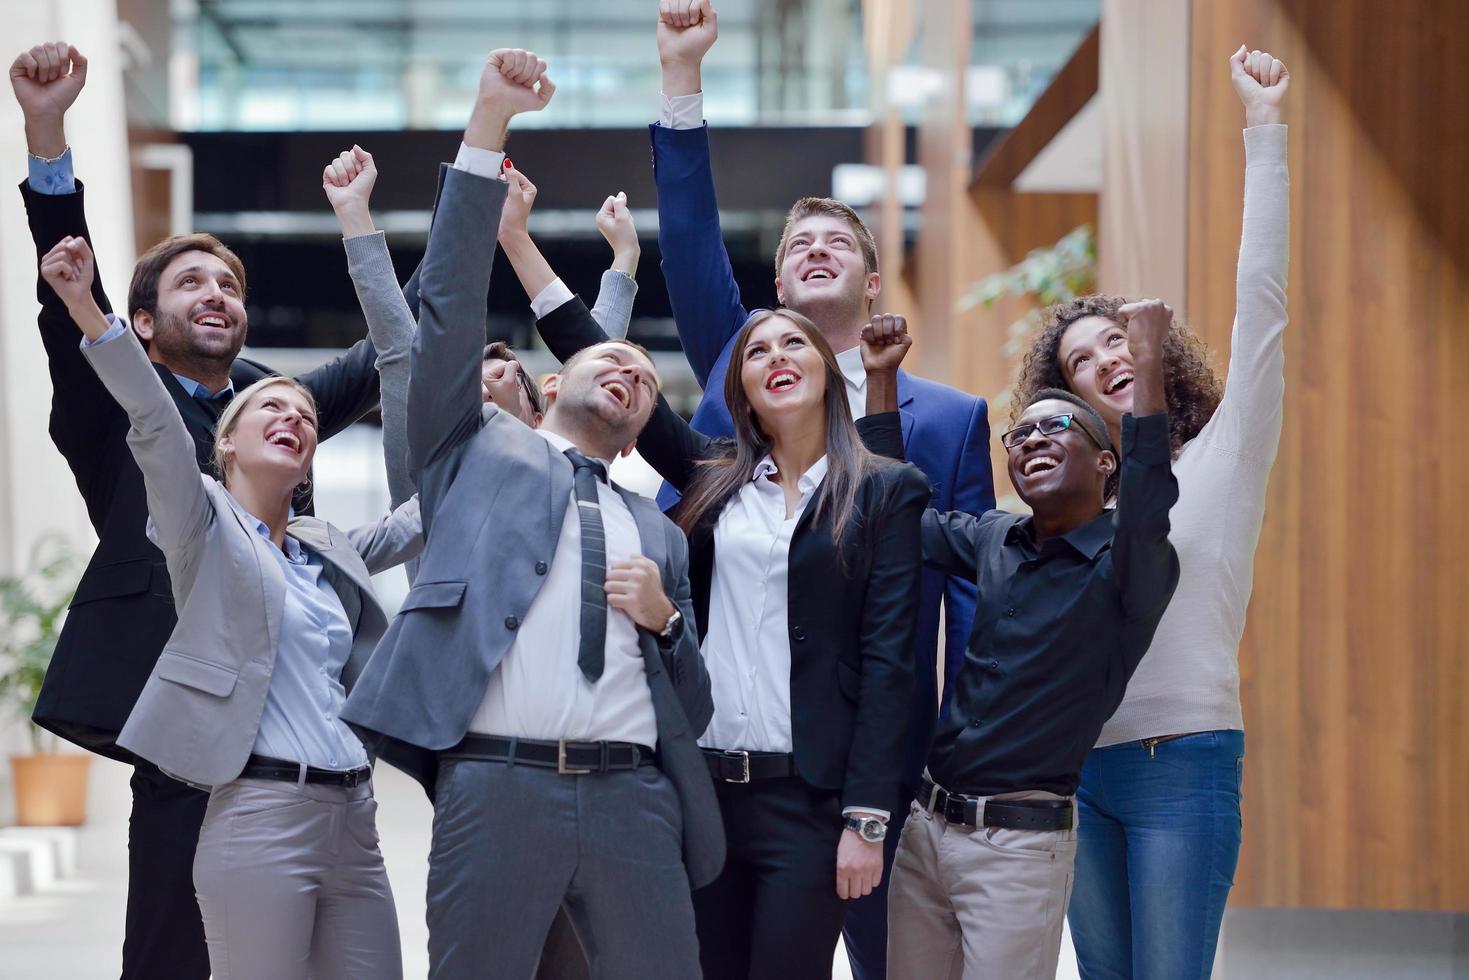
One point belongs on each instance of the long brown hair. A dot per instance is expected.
(1190, 386)
(848, 461)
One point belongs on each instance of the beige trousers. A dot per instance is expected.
(983, 904)
(291, 884)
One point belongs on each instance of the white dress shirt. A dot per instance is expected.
(538, 690)
(746, 648)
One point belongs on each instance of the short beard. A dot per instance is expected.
(175, 345)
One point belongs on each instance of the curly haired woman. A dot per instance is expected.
(1160, 794)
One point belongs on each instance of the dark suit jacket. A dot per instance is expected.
(851, 616)
(123, 611)
(946, 430)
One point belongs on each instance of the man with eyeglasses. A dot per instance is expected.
(1069, 599)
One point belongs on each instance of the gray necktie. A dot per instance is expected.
(592, 654)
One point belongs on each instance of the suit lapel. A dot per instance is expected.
(905, 399)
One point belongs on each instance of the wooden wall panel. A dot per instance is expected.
(1141, 244)
(1355, 662)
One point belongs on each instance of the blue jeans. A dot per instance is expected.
(1157, 846)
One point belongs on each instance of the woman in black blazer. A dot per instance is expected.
(804, 560)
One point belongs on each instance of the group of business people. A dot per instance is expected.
(707, 743)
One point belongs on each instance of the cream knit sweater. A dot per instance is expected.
(1189, 679)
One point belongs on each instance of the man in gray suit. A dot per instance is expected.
(541, 679)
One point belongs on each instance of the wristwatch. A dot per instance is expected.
(869, 829)
(670, 628)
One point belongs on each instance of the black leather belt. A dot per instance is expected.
(737, 766)
(265, 767)
(566, 757)
(1009, 814)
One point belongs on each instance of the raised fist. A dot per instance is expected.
(1147, 323)
(614, 221)
(348, 180)
(1261, 82)
(520, 197)
(510, 78)
(47, 79)
(687, 30)
(885, 342)
(68, 269)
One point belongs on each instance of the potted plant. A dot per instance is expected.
(50, 786)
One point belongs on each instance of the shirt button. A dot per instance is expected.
(540, 568)
(511, 623)
(798, 633)
(994, 665)
(1010, 611)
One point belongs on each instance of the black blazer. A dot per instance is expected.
(123, 611)
(851, 622)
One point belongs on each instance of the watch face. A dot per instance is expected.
(873, 830)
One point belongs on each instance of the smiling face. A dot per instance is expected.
(1097, 365)
(199, 314)
(1063, 466)
(271, 437)
(823, 269)
(782, 373)
(610, 387)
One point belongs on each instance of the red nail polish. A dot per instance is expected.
(507, 165)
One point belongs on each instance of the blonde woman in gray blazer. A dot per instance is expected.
(276, 620)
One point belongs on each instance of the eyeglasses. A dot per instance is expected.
(1047, 427)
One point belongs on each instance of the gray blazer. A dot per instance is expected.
(200, 710)
(494, 495)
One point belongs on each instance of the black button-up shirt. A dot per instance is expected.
(1059, 628)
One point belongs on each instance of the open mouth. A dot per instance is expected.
(1117, 382)
(282, 437)
(782, 380)
(620, 391)
(815, 274)
(1040, 463)
(216, 320)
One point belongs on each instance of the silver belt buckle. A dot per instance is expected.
(561, 766)
(744, 758)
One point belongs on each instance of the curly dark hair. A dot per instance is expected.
(1192, 388)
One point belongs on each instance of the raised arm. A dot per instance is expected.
(619, 286)
(701, 284)
(1144, 561)
(1248, 420)
(46, 80)
(348, 181)
(445, 391)
(158, 438)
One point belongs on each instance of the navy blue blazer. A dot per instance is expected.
(946, 431)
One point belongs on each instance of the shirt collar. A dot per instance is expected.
(561, 443)
(850, 361)
(809, 481)
(197, 390)
(294, 554)
(1089, 540)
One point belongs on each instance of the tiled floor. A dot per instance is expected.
(73, 931)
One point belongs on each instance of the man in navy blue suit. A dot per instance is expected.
(826, 268)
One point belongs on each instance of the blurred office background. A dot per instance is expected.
(969, 132)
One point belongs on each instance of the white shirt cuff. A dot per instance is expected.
(115, 326)
(682, 111)
(881, 814)
(550, 298)
(479, 161)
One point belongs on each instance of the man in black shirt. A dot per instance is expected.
(1069, 598)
